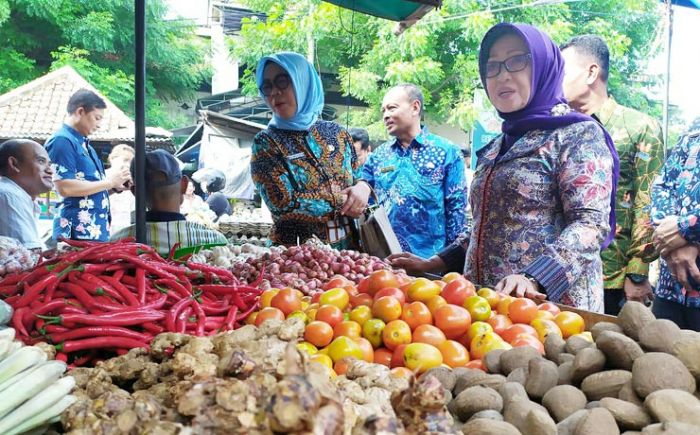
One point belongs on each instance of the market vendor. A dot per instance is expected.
(418, 176)
(543, 191)
(166, 226)
(25, 173)
(301, 165)
(79, 174)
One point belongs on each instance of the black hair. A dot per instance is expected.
(11, 148)
(414, 93)
(594, 46)
(361, 135)
(86, 99)
(490, 38)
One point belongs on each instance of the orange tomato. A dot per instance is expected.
(361, 299)
(396, 333)
(522, 310)
(422, 289)
(383, 356)
(434, 303)
(401, 372)
(372, 330)
(482, 344)
(457, 291)
(329, 314)
(549, 306)
(454, 354)
(336, 281)
(500, 323)
(386, 308)
(478, 308)
(503, 304)
(416, 314)
(335, 296)
(453, 320)
(266, 297)
(397, 356)
(490, 295)
(250, 320)
(366, 348)
(476, 364)
(316, 296)
(449, 277)
(267, 314)
(393, 292)
(528, 340)
(428, 334)
(545, 327)
(570, 323)
(361, 314)
(347, 328)
(320, 334)
(421, 357)
(381, 279)
(514, 331)
(341, 367)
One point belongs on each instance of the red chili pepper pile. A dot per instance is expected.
(117, 296)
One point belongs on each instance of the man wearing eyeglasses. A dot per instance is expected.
(639, 142)
(418, 177)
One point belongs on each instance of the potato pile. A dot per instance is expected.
(637, 377)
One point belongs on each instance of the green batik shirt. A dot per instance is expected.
(639, 142)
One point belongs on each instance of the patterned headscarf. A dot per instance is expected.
(308, 90)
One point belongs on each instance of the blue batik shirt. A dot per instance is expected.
(423, 188)
(677, 193)
(73, 158)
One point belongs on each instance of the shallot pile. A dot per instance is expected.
(307, 267)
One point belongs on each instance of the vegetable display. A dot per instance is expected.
(117, 296)
(33, 391)
(14, 257)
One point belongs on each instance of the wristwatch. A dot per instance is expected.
(637, 278)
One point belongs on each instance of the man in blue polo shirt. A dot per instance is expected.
(418, 177)
(79, 174)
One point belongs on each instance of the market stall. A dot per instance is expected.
(270, 339)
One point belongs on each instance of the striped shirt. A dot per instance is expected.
(164, 230)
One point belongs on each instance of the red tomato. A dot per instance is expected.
(499, 323)
(361, 299)
(336, 281)
(528, 340)
(397, 356)
(416, 314)
(428, 334)
(286, 300)
(320, 334)
(363, 286)
(386, 308)
(383, 356)
(381, 279)
(393, 292)
(549, 306)
(453, 320)
(329, 314)
(475, 364)
(514, 331)
(457, 291)
(522, 310)
(268, 313)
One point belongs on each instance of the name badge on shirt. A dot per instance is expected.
(295, 156)
(386, 169)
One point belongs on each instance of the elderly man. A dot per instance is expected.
(417, 176)
(639, 142)
(676, 214)
(25, 173)
(165, 225)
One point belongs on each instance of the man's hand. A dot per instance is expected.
(415, 264)
(520, 286)
(118, 178)
(681, 262)
(356, 202)
(638, 292)
(667, 237)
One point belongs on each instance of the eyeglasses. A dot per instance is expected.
(512, 64)
(281, 82)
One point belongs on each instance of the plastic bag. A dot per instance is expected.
(14, 257)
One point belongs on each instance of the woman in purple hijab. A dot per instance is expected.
(542, 191)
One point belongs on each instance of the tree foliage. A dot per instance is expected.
(439, 53)
(97, 39)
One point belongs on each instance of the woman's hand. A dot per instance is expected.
(520, 286)
(681, 263)
(413, 263)
(356, 202)
(667, 237)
